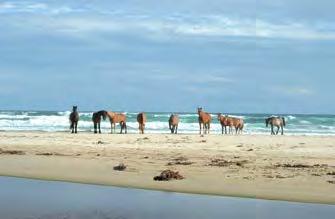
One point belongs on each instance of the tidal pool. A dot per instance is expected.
(30, 199)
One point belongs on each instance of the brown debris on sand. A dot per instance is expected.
(331, 173)
(180, 161)
(45, 154)
(331, 181)
(225, 163)
(120, 167)
(299, 165)
(12, 152)
(167, 175)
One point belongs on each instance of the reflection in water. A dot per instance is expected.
(24, 198)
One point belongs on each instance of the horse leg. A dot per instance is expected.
(141, 129)
(75, 127)
(200, 127)
(282, 130)
(72, 127)
(277, 130)
(125, 128)
(208, 128)
(176, 129)
(121, 124)
(272, 131)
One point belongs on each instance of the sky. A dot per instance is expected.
(241, 56)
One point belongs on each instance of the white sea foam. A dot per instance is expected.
(158, 123)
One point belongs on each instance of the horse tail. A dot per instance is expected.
(284, 122)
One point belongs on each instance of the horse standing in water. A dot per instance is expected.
(231, 122)
(141, 119)
(204, 120)
(96, 118)
(74, 118)
(279, 122)
(173, 123)
(117, 118)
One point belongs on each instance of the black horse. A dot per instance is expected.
(74, 118)
(96, 118)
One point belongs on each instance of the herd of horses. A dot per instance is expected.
(204, 118)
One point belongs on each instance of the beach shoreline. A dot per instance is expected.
(288, 168)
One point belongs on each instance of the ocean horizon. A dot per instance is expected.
(157, 122)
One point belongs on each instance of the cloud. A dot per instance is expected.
(293, 90)
(166, 25)
(35, 8)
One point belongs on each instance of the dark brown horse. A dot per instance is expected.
(173, 123)
(117, 118)
(204, 120)
(96, 118)
(141, 119)
(279, 122)
(74, 118)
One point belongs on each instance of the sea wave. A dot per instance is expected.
(158, 122)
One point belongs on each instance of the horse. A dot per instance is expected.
(205, 120)
(173, 123)
(74, 118)
(141, 119)
(96, 118)
(279, 122)
(231, 122)
(117, 118)
(224, 122)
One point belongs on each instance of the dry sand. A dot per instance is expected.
(293, 168)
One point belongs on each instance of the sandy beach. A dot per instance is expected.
(292, 168)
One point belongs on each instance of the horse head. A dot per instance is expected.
(219, 116)
(104, 115)
(199, 110)
(74, 108)
(267, 121)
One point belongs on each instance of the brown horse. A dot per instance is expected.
(74, 118)
(173, 123)
(279, 122)
(96, 118)
(231, 122)
(117, 118)
(224, 122)
(141, 119)
(204, 120)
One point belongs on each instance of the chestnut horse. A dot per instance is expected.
(74, 118)
(96, 118)
(141, 119)
(173, 123)
(279, 122)
(231, 122)
(117, 118)
(204, 120)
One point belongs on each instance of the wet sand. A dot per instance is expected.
(292, 168)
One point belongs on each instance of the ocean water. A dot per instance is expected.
(157, 122)
(28, 199)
